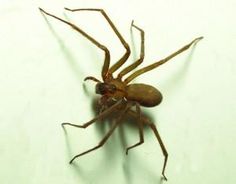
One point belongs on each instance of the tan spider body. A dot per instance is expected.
(119, 94)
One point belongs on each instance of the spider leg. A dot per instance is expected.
(95, 42)
(164, 151)
(105, 138)
(122, 60)
(158, 63)
(155, 131)
(101, 115)
(140, 126)
(140, 60)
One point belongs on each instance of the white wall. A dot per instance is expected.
(42, 66)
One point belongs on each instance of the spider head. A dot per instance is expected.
(104, 88)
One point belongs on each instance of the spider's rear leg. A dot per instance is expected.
(164, 151)
(101, 115)
(140, 126)
(156, 133)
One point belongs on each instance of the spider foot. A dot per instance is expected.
(74, 125)
(72, 160)
(164, 177)
(127, 151)
(135, 145)
(63, 124)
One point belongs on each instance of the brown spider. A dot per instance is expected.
(118, 94)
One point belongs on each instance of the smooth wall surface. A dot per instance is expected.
(42, 66)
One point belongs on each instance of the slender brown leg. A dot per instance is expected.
(158, 63)
(127, 53)
(154, 129)
(164, 151)
(105, 138)
(140, 126)
(101, 115)
(102, 47)
(140, 60)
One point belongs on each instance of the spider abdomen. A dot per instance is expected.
(144, 94)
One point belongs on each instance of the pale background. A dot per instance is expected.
(42, 67)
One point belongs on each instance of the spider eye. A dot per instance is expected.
(112, 88)
(100, 88)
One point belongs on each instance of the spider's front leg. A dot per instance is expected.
(109, 133)
(123, 59)
(106, 64)
(141, 57)
(100, 116)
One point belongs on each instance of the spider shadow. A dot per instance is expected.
(68, 55)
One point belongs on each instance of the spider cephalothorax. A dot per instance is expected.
(113, 88)
(105, 88)
(121, 93)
